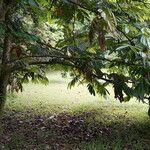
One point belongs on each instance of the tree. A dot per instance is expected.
(101, 43)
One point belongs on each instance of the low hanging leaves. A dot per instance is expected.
(101, 39)
(91, 89)
(73, 82)
(118, 87)
(98, 27)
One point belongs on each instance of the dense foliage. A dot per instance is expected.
(99, 42)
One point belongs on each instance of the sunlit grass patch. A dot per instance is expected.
(56, 98)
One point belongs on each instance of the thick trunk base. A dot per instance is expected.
(3, 89)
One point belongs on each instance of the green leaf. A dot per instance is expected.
(33, 3)
(73, 82)
(91, 89)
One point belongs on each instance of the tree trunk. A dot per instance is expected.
(3, 88)
(5, 5)
(5, 68)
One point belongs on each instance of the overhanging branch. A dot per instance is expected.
(98, 13)
(84, 7)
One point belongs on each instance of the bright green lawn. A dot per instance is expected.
(56, 97)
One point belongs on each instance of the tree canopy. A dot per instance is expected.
(99, 42)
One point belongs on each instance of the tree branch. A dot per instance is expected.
(82, 6)
(42, 62)
(98, 13)
(130, 40)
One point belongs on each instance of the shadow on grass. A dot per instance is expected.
(80, 131)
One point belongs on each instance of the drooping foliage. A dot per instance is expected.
(100, 42)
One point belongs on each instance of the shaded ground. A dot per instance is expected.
(57, 132)
(54, 118)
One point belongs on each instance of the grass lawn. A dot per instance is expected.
(54, 117)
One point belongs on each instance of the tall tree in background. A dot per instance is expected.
(101, 43)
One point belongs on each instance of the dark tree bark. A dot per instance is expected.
(5, 5)
(4, 77)
(5, 69)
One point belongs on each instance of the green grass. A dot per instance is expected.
(129, 121)
(56, 98)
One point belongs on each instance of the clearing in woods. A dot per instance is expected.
(54, 117)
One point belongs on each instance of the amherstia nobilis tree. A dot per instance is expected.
(100, 42)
